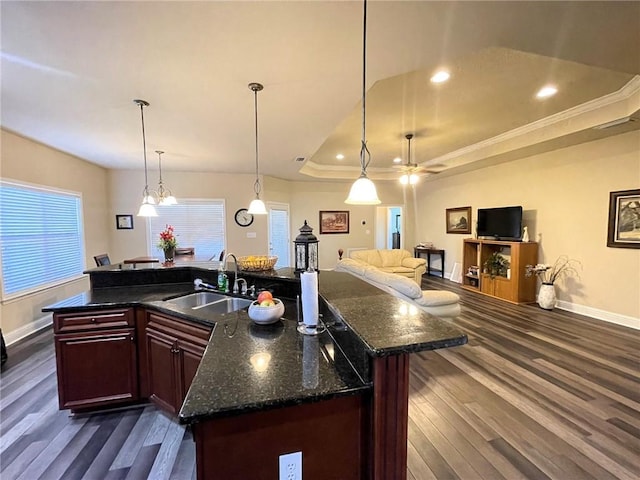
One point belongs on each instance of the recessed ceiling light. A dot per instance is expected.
(440, 76)
(547, 91)
(340, 156)
(397, 160)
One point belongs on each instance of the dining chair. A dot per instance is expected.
(102, 259)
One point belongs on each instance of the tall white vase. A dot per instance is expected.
(547, 296)
(525, 235)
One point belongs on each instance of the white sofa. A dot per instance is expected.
(436, 302)
(397, 261)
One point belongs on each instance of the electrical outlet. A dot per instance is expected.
(291, 466)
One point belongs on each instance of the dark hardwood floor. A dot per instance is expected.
(534, 395)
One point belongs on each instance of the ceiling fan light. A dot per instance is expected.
(363, 192)
(404, 179)
(147, 210)
(413, 179)
(256, 207)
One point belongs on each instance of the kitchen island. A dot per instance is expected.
(258, 392)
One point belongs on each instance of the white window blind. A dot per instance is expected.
(197, 223)
(41, 238)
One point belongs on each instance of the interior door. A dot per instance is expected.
(279, 237)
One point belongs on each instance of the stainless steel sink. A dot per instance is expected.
(213, 302)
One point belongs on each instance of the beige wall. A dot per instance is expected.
(565, 196)
(30, 162)
(308, 198)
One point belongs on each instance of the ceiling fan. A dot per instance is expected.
(411, 171)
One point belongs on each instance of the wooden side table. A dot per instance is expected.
(427, 252)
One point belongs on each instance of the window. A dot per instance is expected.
(197, 223)
(40, 236)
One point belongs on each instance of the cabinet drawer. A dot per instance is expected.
(182, 330)
(93, 320)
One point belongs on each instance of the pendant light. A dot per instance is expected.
(257, 206)
(363, 191)
(408, 177)
(164, 194)
(146, 209)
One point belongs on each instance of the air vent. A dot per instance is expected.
(300, 159)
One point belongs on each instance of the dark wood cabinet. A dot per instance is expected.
(96, 358)
(174, 349)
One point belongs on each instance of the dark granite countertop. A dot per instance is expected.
(250, 367)
(386, 325)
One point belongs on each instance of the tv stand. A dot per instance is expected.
(516, 288)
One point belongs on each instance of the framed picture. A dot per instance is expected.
(124, 222)
(458, 220)
(334, 221)
(624, 219)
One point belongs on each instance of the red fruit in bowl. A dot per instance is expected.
(264, 295)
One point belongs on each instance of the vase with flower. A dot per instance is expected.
(168, 243)
(548, 274)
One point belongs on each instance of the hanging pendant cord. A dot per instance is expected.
(159, 167)
(144, 148)
(256, 185)
(364, 151)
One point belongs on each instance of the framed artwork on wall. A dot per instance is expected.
(334, 221)
(624, 219)
(124, 222)
(458, 220)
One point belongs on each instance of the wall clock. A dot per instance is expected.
(243, 217)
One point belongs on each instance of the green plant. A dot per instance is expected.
(496, 265)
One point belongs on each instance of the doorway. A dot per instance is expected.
(279, 238)
(390, 230)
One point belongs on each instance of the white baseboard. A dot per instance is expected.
(26, 330)
(598, 314)
(623, 320)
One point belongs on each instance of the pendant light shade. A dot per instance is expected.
(165, 196)
(363, 191)
(146, 209)
(257, 206)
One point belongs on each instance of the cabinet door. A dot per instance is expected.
(504, 288)
(96, 368)
(162, 370)
(190, 356)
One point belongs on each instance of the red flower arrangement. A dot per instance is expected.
(167, 239)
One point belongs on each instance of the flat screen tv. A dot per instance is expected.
(504, 223)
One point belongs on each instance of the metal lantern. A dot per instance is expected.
(306, 249)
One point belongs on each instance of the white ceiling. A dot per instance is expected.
(70, 71)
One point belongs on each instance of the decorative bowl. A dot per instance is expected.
(266, 315)
(257, 263)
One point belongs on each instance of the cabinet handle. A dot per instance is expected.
(93, 320)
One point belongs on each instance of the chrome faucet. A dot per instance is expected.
(236, 288)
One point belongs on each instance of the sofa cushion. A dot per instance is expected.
(353, 266)
(392, 258)
(433, 298)
(372, 257)
(404, 285)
